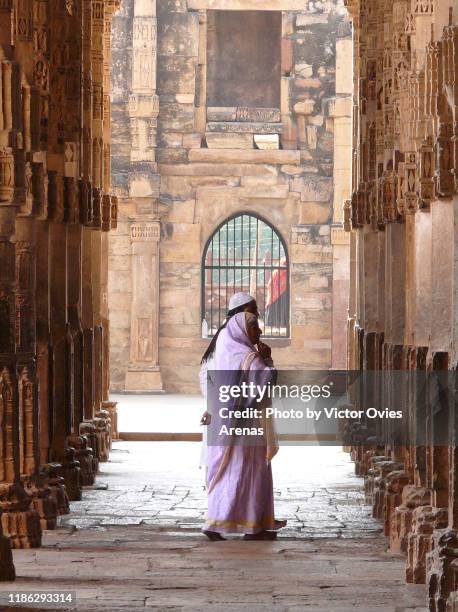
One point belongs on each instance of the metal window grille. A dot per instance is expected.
(246, 254)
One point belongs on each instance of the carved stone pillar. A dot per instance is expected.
(17, 394)
(29, 417)
(144, 372)
(62, 361)
(6, 305)
(88, 324)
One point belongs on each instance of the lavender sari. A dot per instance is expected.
(239, 477)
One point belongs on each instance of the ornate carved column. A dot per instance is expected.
(144, 372)
(6, 346)
(18, 399)
(29, 412)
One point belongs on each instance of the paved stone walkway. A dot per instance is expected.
(134, 542)
(160, 485)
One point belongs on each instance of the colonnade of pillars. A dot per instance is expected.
(55, 214)
(404, 277)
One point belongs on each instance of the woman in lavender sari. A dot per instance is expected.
(239, 476)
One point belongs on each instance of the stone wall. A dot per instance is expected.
(205, 163)
(402, 218)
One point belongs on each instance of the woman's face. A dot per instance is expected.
(254, 332)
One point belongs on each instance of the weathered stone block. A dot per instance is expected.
(165, 7)
(267, 141)
(176, 117)
(177, 74)
(143, 184)
(182, 211)
(313, 188)
(292, 170)
(313, 85)
(218, 169)
(306, 20)
(192, 141)
(177, 187)
(305, 253)
(314, 212)
(274, 192)
(252, 157)
(216, 140)
(303, 70)
(185, 98)
(259, 181)
(178, 35)
(214, 181)
(182, 243)
(305, 107)
(340, 107)
(170, 139)
(172, 155)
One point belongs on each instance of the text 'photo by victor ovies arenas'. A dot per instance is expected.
(228, 312)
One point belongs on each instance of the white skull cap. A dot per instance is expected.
(240, 299)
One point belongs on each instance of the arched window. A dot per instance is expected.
(246, 254)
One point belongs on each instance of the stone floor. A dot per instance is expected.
(134, 542)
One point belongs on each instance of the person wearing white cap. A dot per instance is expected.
(240, 299)
(239, 302)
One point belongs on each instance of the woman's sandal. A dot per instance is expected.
(262, 535)
(213, 536)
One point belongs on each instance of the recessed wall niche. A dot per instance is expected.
(243, 55)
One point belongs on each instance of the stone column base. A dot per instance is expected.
(395, 483)
(382, 469)
(42, 500)
(7, 572)
(84, 456)
(89, 431)
(56, 484)
(111, 408)
(20, 522)
(401, 520)
(103, 429)
(425, 520)
(71, 472)
(144, 381)
(441, 568)
(371, 474)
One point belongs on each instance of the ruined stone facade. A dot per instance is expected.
(402, 220)
(55, 212)
(199, 135)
